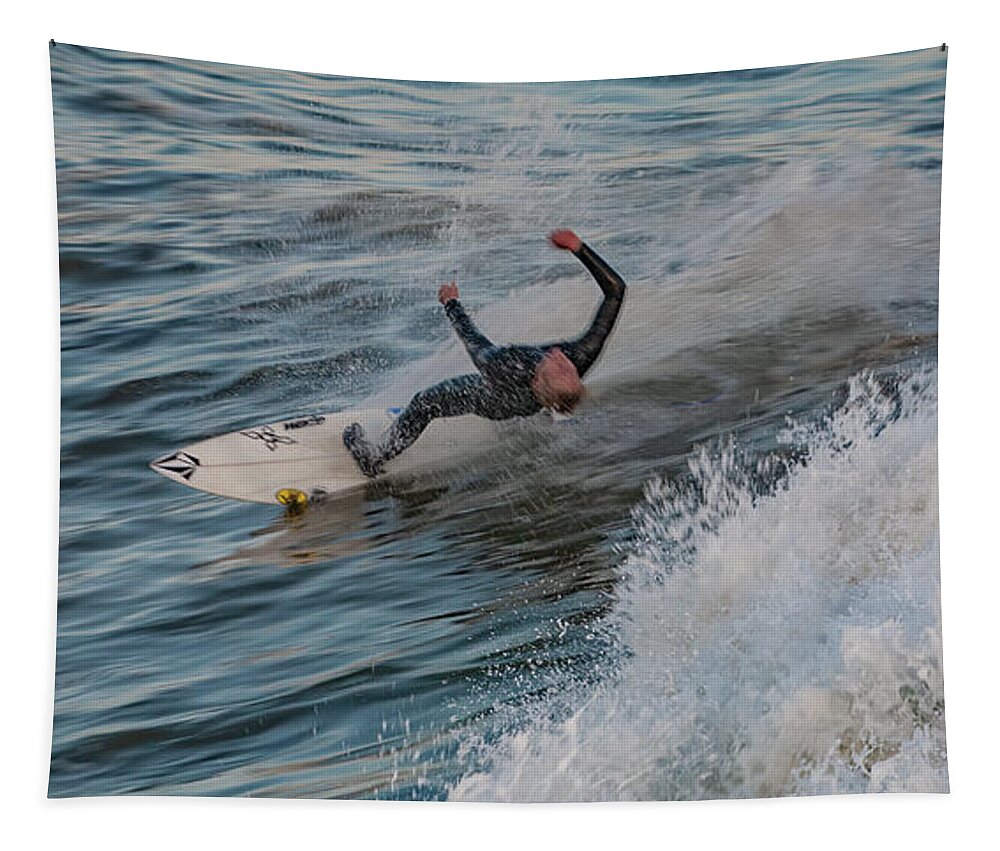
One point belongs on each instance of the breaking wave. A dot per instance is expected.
(777, 628)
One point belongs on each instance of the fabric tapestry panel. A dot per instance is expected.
(562, 441)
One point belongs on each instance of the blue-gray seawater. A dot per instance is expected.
(718, 579)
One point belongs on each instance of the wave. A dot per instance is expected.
(777, 628)
(807, 268)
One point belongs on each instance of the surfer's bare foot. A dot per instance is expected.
(354, 440)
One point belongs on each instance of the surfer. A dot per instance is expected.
(512, 381)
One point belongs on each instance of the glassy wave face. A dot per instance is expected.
(719, 578)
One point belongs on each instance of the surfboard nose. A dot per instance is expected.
(176, 465)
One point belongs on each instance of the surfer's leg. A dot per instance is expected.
(364, 453)
(467, 394)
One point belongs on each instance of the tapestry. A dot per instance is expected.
(508, 442)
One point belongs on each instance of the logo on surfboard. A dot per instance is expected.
(268, 436)
(303, 422)
(181, 464)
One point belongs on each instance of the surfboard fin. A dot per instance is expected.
(294, 500)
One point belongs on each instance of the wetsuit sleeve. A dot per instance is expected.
(583, 351)
(475, 342)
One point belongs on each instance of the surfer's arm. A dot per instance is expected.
(583, 351)
(475, 342)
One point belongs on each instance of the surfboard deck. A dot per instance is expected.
(275, 463)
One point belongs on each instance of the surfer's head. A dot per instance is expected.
(557, 383)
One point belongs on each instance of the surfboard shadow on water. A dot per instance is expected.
(329, 529)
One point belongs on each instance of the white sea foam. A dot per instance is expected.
(776, 639)
(794, 249)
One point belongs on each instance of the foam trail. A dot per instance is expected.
(776, 639)
(797, 252)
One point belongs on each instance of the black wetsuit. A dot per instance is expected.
(502, 387)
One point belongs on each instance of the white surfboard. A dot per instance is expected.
(305, 457)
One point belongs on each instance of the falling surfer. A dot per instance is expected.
(511, 381)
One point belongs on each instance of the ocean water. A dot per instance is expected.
(719, 579)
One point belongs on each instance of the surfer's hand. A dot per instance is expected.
(447, 292)
(565, 239)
